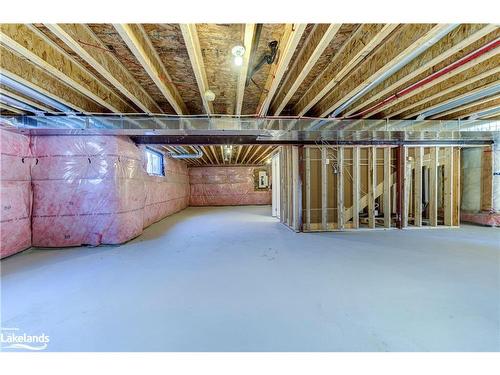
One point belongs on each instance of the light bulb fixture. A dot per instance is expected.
(238, 60)
(238, 51)
(268, 161)
(209, 95)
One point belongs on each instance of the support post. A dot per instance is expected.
(433, 182)
(308, 187)
(340, 188)
(400, 188)
(372, 185)
(448, 187)
(387, 186)
(355, 187)
(324, 186)
(419, 160)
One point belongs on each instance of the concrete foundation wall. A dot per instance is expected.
(225, 186)
(15, 193)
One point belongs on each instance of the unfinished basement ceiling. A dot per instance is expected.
(368, 71)
(224, 154)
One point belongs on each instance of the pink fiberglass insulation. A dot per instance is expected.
(15, 193)
(490, 219)
(167, 194)
(86, 190)
(225, 186)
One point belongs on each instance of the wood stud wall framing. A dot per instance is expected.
(356, 187)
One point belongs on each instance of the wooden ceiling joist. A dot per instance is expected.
(440, 93)
(9, 108)
(286, 49)
(30, 43)
(451, 99)
(89, 47)
(244, 157)
(27, 101)
(240, 147)
(138, 42)
(488, 59)
(242, 77)
(400, 44)
(318, 39)
(366, 38)
(192, 43)
(468, 109)
(27, 73)
(453, 43)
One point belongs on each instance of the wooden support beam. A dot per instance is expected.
(460, 38)
(340, 188)
(387, 186)
(286, 49)
(360, 44)
(318, 39)
(22, 71)
(138, 42)
(433, 186)
(324, 189)
(372, 185)
(308, 187)
(419, 158)
(192, 43)
(401, 43)
(242, 77)
(30, 43)
(448, 187)
(355, 186)
(81, 39)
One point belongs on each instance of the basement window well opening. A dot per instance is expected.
(154, 162)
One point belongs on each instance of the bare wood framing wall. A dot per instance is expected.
(332, 188)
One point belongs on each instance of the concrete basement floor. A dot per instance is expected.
(234, 279)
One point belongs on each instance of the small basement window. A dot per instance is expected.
(155, 162)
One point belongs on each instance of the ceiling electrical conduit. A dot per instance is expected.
(187, 155)
(19, 105)
(407, 59)
(459, 102)
(28, 91)
(471, 56)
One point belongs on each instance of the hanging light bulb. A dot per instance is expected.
(238, 60)
(238, 52)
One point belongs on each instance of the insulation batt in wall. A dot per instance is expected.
(225, 186)
(166, 195)
(15, 193)
(86, 190)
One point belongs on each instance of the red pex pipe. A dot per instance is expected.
(471, 56)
